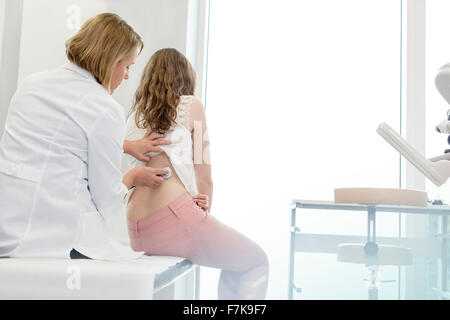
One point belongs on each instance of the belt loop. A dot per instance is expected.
(173, 210)
(136, 227)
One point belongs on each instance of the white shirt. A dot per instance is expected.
(60, 168)
(179, 151)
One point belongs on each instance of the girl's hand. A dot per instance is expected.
(202, 201)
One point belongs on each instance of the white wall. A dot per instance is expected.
(37, 43)
(10, 26)
(2, 22)
(47, 25)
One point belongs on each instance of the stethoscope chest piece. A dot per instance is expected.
(168, 175)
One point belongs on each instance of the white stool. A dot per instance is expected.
(373, 256)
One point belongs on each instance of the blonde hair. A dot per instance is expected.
(101, 43)
(167, 76)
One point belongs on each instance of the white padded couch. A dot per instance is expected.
(151, 277)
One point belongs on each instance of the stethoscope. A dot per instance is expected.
(164, 176)
(168, 175)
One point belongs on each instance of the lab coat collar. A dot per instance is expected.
(73, 67)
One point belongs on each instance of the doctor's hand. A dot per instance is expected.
(144, 176)
(140, 147)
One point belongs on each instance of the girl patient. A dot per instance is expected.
(173, 219)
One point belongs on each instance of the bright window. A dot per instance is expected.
(295, 92)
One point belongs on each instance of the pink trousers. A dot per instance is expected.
(183, 229)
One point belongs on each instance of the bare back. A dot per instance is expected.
(144, 200)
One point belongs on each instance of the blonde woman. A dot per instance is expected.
(61, 151)
(174, 219)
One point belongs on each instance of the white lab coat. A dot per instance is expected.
(60, 168)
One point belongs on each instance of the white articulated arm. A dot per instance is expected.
(442, 82)
(436, 169)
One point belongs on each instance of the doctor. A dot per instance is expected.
(61, 151)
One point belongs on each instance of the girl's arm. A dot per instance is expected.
(201, 153)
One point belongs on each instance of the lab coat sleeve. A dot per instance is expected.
(105, 149)
(133, 133)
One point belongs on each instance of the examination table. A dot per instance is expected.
(150, 277)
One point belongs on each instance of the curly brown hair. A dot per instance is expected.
(167, 76)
